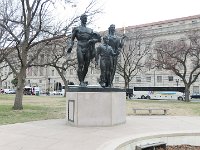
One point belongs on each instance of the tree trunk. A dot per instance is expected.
(66, 87)
(187, 93)
(20, 88)
(126, 83)
(64, 80)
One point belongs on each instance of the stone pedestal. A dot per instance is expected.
(95, 106)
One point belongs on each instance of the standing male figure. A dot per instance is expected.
(85, 47)
(116, 44)
(106, 52)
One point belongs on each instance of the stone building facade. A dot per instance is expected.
(166, 30)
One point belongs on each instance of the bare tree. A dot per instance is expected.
(136, 47)
(59, 59)
(30, 27)
(182, 57)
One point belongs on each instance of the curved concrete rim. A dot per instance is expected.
(153, 137)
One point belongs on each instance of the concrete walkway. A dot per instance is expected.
(56, 135)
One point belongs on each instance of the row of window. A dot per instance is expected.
(165, 25)
(34, 71)
(159, 79)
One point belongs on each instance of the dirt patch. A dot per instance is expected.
(181, 147)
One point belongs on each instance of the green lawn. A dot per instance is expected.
(176, 108)
(35, 108)
(52, 107)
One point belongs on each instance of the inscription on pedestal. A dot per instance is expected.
(71, 106)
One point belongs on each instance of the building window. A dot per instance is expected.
(183, 22)
(48, 58)
(41, 71)
(71, 71)
(92, 70)
(41, 58)
(195, 89)
(52, 72)
(29, 71)
(159, 79)
(119, 59)
(194, 76)
(159, 67)
(170, 78)
(116, 79)
(40, 81)
(182, 41)
(147, 45)
(158, 43)
(138, 79)
(169, 42)
(194, 21)
(148, 79)
(35, 71)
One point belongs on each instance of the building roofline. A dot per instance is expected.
(163, 22)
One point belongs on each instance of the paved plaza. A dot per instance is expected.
(56, 135)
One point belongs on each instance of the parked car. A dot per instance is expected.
(9, 91)
(56, 93)
(195, 96)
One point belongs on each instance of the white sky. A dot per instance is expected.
(134, 12)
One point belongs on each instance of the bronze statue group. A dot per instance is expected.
(108, 52)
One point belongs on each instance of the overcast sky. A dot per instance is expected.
(134, 12)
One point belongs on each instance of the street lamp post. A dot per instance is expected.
(1, 75)
(154, 75)
(49, 83)
(54, 86)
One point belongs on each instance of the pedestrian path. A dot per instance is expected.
(56, 135)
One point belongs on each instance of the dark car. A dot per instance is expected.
(129, 93)
(195, 96)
